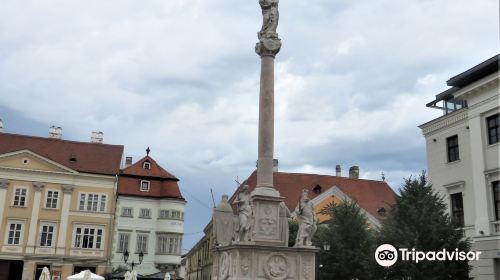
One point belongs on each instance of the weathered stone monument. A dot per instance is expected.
(254, 244)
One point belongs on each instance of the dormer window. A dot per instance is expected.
(144, 186)
(317, 189)
(146, 165)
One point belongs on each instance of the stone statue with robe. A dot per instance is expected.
(307, 220)
(245, 215)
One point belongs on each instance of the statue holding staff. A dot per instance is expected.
(307, 220)
(245, 212)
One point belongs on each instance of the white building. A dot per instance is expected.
(149, 218)
(463, 151)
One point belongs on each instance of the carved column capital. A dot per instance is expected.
(4, 183)
(38, 186)
(268, 46)
(68, 189)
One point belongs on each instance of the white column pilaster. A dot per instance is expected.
(482, 219)
(30, 245)
(4, 184)
(63, 226)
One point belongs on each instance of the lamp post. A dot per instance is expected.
(126, 254)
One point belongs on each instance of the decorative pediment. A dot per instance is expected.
(27, 160)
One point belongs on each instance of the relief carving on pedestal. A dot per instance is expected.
(276, 267)
(268, 225)
(307, 268)
(245, 264)
(224, 266)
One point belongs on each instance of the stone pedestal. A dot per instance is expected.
(268, 226)
(263, 262)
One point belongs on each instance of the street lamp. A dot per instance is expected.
(126, 254)
(326, 246)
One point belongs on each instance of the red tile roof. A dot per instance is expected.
(155, 170)
(371, 195)
(162, 183)
(90, 157)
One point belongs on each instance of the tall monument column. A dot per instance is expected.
(268, 46)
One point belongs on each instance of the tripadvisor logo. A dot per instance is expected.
(387, 255)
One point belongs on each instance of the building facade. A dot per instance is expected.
(149, 218)
(56, 205)
(373, 197)
(463, 151)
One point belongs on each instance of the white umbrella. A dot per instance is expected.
(127, 276)
(83, 274)
(167, 276)
(45, 274)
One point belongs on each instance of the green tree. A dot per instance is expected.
(419, 219)
(351, 243)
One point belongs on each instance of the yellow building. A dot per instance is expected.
(56, 204)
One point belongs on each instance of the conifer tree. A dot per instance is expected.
(419, 219)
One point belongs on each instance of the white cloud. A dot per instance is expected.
(181, 76)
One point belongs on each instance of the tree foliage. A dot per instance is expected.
(351, 243)
(419, 219)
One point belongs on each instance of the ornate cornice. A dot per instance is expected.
(4, 183)
(444, 121)
(38, 186)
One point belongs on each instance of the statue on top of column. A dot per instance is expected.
(271, 17)
(307, 220)
(269, 43)
(245, 213)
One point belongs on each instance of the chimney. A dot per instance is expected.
(55, 132)
(1, 125)
(338, 171)
(97, 137)
(275, 165)
(128, 161)
(354, 172)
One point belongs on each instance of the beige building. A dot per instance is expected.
(463, 151)
(56, 204)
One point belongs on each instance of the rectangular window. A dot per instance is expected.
(91, 202)
(142, 243)
(452, 147)
(123, 240)
(52, 197)
(457, 208)
(144, 186)
(47, 235)
(20, 197)
(14, 234)
(164, 214)
(493, 123)
(127, 212)
(88, 238)
(496, 199)
(162, 244)
(102, 206)
(145, 213)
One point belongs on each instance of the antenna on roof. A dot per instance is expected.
(237, 181)
(212, 193)
(383, 176)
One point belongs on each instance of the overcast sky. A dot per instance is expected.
(181, 76)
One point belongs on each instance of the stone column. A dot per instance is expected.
(268, 46)
(63, 226)
(33, 230)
